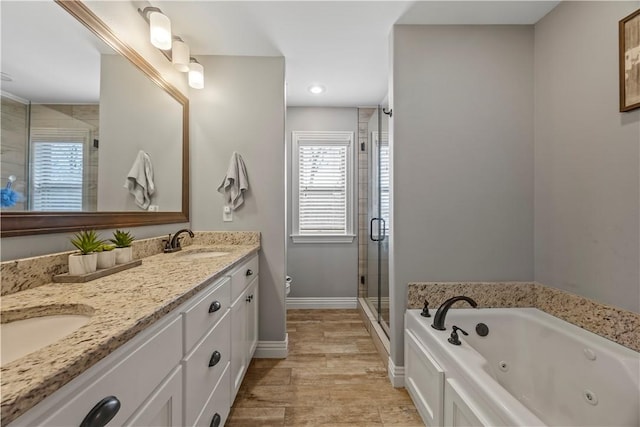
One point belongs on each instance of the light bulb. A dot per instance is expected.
(180, 55)
(196, 75)
(160, 30)
(316, 89)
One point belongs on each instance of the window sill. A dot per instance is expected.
(322, 238)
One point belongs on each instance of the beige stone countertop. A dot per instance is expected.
(121, 305)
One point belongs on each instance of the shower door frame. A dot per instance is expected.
(377, 241)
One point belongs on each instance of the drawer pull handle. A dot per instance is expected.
(102, 413)
(215, 306)
(215, 422)
(249, 272)
(215, 358)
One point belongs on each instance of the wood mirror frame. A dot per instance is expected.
(25, 223)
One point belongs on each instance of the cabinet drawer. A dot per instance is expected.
(200, 378)
(205, 312)
(242, 276)
(131, 380)
(218, 405)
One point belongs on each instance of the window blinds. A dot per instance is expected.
(384, 184)
(322, 195)
(57, 166)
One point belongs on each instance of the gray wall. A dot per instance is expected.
(462, 162)
(586, 157)
(321, 269)
(136, 114)
(242, 108)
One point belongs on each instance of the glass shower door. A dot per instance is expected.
(378, 189)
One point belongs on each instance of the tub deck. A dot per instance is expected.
(531, 369)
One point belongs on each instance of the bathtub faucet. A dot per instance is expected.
(438, 320)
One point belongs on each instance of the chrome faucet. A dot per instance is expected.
(173, 244)
(438, 319)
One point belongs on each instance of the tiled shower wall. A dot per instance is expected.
(75, 117)
(14, 146)
(364, 115)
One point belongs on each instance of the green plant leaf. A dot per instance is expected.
(122, 239)
(86, 241)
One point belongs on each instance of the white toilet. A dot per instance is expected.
(287, 286)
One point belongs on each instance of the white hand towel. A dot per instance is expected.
(235, 183)
(140, 180)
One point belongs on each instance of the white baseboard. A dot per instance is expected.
(272, 349)
(330, 302)
(396, 374)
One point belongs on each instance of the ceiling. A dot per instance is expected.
(342, 45)
(50, 56)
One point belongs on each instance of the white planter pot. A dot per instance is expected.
(106, 259)
(123, 255)
(82, 264)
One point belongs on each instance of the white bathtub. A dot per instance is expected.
(531, 369)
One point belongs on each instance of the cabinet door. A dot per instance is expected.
(238, 341)
(131, 379)
(252, 319)
(164, 407)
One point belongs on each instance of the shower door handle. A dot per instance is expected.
(384, 229)
(371, 230)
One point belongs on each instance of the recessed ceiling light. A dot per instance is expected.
(316, 89)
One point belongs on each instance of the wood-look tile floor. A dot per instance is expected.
(332, 377)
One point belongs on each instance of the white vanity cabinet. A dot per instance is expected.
(183, 370)
(244, 320)
(164, 407)
(207, 349)
(123, 383)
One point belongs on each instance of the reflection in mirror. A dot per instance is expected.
(78, 106)
(75, 114)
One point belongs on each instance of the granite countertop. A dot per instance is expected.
(120, 305)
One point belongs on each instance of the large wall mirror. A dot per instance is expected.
(84, 120)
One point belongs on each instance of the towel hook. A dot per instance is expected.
(388, 113)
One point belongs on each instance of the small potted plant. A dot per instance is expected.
(86, 261)
(122, 240)
(106, 256)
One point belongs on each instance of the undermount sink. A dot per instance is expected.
(200, 254)
(21, 337)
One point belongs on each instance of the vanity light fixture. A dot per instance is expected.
(196, 74)
(159, 27)
(172, 47)
(180, 56)
(316, 89)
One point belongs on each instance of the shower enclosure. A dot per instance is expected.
(374, 174)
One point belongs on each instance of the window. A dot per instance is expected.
(322, 187)
(57, 169)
